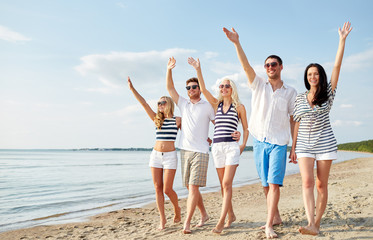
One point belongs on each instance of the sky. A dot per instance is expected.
(64, 64)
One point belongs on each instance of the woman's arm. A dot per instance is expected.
(343, 33)
(210, 98)
(141, 100)
(178, 122)
(242, 116)
(170, 82)
(293, 156)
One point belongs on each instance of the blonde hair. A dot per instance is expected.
(168, 110)
(235, 99)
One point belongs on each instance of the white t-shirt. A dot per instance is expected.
(271, 111)
(195, 119)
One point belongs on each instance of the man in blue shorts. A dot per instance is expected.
(271, 120)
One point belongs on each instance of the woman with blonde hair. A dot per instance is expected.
(225, 150)
(163, 159)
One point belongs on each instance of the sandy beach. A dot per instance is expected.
(349, 213)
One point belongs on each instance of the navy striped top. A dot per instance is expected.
(225, 124)
(168, 130)
(315, 134)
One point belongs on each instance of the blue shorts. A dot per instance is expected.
(270, 161)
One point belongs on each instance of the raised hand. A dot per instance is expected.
(233, 36)
(346, 29)
(194, 63)
(171, 63)
(129, 83)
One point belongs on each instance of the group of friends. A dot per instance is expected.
(277, 113)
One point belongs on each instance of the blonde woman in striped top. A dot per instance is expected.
(313, 138)
(163, 159)
(225, 150)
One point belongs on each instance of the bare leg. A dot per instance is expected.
(157, 174)
(323, 170)
(231, 215)
(202, 210)
(273, 198)
(277, 218)
(169, 176)
(229, 173)
(194, 200)
(306, 166)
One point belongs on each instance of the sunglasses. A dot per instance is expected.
(162, 103)
(272, 64)
(193, 87)
(224, 85)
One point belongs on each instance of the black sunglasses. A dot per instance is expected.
(162, 103)
(272, 64)
(225, 85)
(193, 87)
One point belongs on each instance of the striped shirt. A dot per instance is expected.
(225, 124)
(168, 130)
(315, 134)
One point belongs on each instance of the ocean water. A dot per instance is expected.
(40, 187)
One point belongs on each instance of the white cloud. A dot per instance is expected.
(112, 69)
(362, 60)
(342, 123)
(11, 36)
(346, 106)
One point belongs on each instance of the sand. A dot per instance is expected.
(349, 213)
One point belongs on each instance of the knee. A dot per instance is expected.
(226, 186)
(168, 190)
(322, 187)
(308, 183)
(158, 187)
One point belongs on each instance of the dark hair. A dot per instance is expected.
(193, 79)
(321, 94)
(279, 60)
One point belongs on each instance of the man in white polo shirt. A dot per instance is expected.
(196, 115)
(271, 121)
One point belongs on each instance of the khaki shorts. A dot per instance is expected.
(194, 168)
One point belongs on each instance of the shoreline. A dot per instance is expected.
(348, 214)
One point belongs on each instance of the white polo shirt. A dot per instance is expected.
(195, 120)
(271, 111)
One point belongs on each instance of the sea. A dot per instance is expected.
(44, 187)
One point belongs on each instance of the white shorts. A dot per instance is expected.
(165, 160)
(319, 156)
(225, 153)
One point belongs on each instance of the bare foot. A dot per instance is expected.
(186, 229)
(229, 222)
(202, 221)
(273, 224)
(161, 226)
(308, 230)
(270, 233)
(216, 231)
(177, 217)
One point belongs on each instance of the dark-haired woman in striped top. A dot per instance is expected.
(163, 159)
(225, 150)
(313, 138)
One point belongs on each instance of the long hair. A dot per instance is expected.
(235, 99)
(168, 110)
(321, 94)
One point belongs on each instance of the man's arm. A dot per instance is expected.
(169, 81)
(233, 37)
